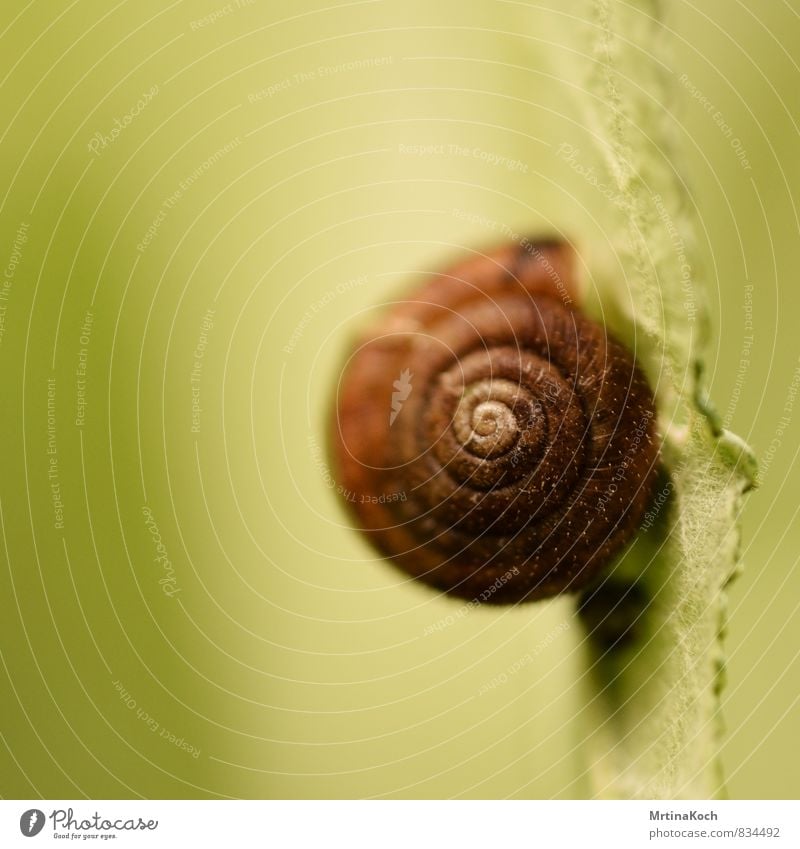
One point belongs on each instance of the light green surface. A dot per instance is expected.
(293, 661)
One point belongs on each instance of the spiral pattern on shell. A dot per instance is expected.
(489, 438)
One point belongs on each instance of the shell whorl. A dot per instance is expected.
(489, 438)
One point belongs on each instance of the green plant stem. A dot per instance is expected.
(655, 703)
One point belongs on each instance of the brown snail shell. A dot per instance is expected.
(489, 438)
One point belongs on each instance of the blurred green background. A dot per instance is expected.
(200, 202)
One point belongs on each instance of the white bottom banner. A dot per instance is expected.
(403, 823)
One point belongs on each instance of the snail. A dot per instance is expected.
(489, 438)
